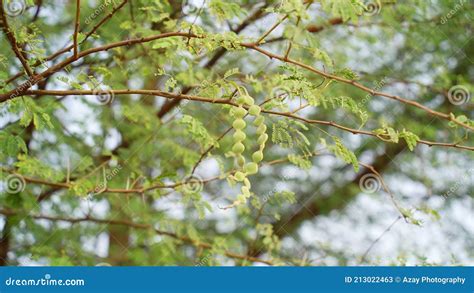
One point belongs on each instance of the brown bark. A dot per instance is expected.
(5, 243)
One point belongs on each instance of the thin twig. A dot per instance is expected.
(170, 95)
(76, 26)
(12, 40)
(196, 243)
(378, 239)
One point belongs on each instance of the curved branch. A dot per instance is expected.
(12, 40)
(169, 95)
(373, 92)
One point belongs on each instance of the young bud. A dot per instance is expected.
(259, 121)
(251, 168)
(262, 139)
(261, 129)
(239, 176)
(239, 124)
(257, 156)
(239, 135)
(254, 110)
(249, 100)
(238, 148)
(240, 112)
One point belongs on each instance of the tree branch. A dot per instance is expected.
(135, 225)
(76, 27)
(169, 95)
(69, 48)
(12, 40)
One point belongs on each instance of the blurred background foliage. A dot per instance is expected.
(309, 206)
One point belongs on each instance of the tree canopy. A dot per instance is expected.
(211, 132)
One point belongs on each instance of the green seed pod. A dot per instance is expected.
(238, 148)
(239, 176)
(261, 129)
(240, 199)
(239, 124)
(240, 100)
(239, 135)
(251, 168)
(259, 121)
(257, 156)
(247, 182)
(240, 112)
(249, 100)
(262, 138)
(254, 110)
(245, 190)
(240, 160)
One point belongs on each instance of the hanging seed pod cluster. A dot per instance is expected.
(246, 105)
